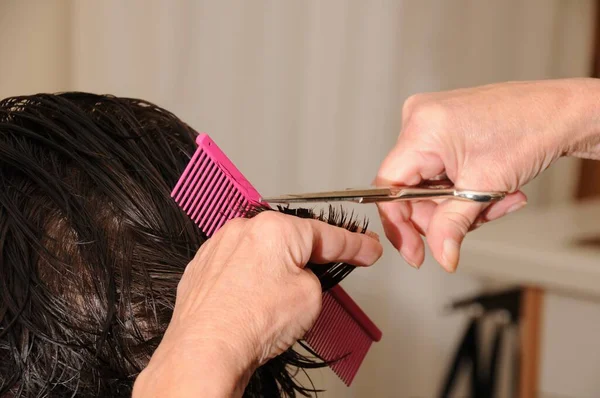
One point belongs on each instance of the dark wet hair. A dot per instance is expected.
(92, 246)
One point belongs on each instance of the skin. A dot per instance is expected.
(246, 296)
(491, 138)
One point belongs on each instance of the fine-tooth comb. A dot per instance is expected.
(211, 191)
(342, 334)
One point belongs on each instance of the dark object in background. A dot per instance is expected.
(483, 371)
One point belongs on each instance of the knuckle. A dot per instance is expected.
(343, 244)
(459, 221)
(282, 235)
(229, 229)
(237, 222)
(271, 231)
(271, 224)
(311, 289)
(428, 115)
(267, 216)
(234, 224)
(355, 244)
(409, 104)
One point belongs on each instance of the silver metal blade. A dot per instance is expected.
(351, 194)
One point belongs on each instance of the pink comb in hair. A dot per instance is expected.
(211, 191)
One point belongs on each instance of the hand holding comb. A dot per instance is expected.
(212, 191)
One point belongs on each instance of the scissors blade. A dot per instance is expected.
(427, 190)
(346, 195)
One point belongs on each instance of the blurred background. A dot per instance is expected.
(307, 95)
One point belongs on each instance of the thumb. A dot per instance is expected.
(406, 166)
(449, 224)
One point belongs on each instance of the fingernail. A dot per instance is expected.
(412, 264)
(450, 252)
(373, 235)
(366, 258)
(515, 207)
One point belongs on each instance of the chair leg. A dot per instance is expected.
(530, 335)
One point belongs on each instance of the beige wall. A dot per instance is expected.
(35, 51)
(306, 95)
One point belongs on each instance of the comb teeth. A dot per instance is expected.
(211, 189)
(339, 337)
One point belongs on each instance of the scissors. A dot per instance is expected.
(427, 190)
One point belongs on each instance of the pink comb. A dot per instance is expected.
(211, 191)
(343, 333)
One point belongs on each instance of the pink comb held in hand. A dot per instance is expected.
(343, 333)
(211, 191)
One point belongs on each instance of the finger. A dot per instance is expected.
(449, 224)
(422, 212)
(402, 167)
(329, 243)
(511, 203)
(395, 218)
(408, 167)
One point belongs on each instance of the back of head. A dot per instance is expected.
(91, 246)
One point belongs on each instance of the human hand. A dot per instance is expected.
(490, 138)
(245, 298)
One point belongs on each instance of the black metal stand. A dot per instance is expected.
(468, 357)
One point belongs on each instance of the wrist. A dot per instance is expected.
(581, 138)
(182, 368)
